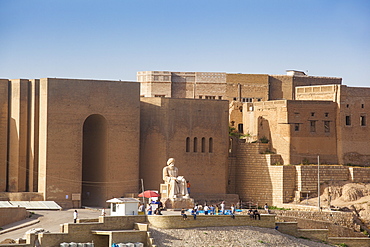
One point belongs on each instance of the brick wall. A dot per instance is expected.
(258, 178)
(12, 214)
(252, 170)
(359, 174)
(307, 175)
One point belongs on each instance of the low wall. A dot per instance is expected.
(12, 214)
(87, 220)
(320, 234)
(351, 242)
(339, 218)
(177, 222)
(290, 228)
(86, 232)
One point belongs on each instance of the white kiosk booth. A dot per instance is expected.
(123, 206)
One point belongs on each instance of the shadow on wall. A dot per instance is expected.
(264, 134)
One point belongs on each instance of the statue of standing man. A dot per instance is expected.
(177, 184)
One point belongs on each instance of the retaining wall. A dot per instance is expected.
(177, 222)
(12, 214)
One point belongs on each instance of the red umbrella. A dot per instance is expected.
(149, 193)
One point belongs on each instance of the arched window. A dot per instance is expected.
(203, 145)
(188, 144)
(210, 145)
(195, 144)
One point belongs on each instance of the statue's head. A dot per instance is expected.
(171, 162)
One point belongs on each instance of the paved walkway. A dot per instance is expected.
(49, 220)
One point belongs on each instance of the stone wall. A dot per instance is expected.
(350, 242)
(315, 220)
(283, 183)
(359, 174)
(176, 221)
(253, 169)
(12, 214)
(307, 176)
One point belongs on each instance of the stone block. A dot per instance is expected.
(178, 203)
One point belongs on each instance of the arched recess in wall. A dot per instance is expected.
(210, 145)
(94, 161)
(195, 145)
(188, 144)
(203, 144)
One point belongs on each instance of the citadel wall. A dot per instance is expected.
(89, 139)
(67, 137)
(247, 87)
(283, 86)
(194, 132)
(297, 130)
(3, 132)
(352, 128)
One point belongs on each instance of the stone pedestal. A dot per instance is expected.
(178, 203)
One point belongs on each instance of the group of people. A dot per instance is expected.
(157, 206)
(254, 214)
(208, 210)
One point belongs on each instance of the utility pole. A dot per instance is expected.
(142, 187)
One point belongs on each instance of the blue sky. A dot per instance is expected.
(113, 39)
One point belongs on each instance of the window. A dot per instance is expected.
(219, 97)
(188, 144)
(234, 99)
(200, 96)
(241, 109)
(362, 105)
(312, 114)
(160, 95)
(347, 105)
(195, 145)
(240, 128)
(296, 127)
(247, 99)
(348, 120)
(363, 120)
(326, 114)
(203, 145)
(210, 147)
(313, 126)
(114, 207)
(327, 126)
(210, 97)
(232, 123)
(259, 99)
